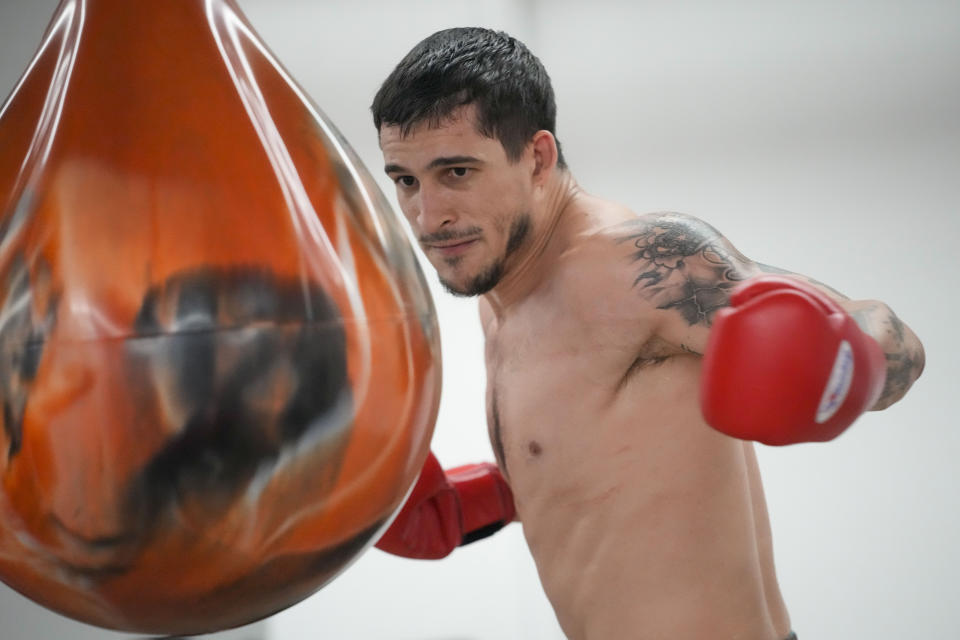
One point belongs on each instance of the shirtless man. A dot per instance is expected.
(644, 521)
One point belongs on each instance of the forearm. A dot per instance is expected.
(903, 350)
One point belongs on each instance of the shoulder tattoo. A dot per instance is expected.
(683, 264)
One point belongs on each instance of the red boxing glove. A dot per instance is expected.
(785, 364)
(449, 509)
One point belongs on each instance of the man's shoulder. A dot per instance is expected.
(679, 227)
(624, 238)
(644, 263)
(606, 263)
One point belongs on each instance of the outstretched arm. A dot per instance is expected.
(687, 270)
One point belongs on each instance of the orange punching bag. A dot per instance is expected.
(219, 363)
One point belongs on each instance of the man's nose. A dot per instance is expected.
(435, 210)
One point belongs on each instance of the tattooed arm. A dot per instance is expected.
(686, 269)
(904, 351)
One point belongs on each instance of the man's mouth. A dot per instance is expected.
(452, 248)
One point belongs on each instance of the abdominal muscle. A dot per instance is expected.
(643, 522)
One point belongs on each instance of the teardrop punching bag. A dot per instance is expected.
(219, 363)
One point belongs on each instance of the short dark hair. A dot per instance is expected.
(469, 65)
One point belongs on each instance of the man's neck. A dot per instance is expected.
(527, 267)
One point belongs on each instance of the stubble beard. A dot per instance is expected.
(489, 277)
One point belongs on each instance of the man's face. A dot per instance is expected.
(468, 205)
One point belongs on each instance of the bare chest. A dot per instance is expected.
(612, 468)
(549, 393)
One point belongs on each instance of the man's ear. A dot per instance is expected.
(544, 147)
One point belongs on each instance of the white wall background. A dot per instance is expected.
(820, 136)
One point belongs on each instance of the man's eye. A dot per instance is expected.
(406, 181)
(459, 171)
